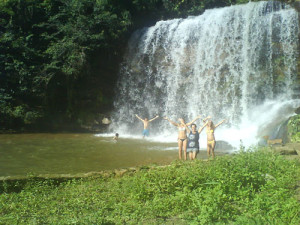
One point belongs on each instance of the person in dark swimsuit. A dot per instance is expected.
(193, 140)
(182, 137)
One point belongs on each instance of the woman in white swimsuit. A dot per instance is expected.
(182, 136)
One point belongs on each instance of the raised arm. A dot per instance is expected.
(172, 122)
(219, 123)
(204, 120)
(193, 121)
(139, 117)
(153, 118)
(201, 128)
(187, 128)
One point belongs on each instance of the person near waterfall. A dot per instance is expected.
(211, 141)
(116, 137)
(146, 124)
(193, 139)
(182, 134)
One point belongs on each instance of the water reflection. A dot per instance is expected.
(75, 153)
(21, 154)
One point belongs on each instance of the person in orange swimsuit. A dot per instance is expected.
(211, 141)
(182, 136)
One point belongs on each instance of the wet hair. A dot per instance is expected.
(117, 135)
(211, 124)
(193, 125)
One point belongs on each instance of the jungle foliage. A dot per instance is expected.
(294, 129)
(251, 187)
(59, 58)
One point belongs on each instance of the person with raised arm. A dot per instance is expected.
(193, 139)
(146, 124)
(211, 141)
(182, 136)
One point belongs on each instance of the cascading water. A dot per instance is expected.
(237, 63)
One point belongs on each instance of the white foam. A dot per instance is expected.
(223, 63)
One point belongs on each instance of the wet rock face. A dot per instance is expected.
(90, 122)
(227, 63)
(296, 5)
(294, 129)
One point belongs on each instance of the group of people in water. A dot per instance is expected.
(188, 137)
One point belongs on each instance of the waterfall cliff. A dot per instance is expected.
(237, 63)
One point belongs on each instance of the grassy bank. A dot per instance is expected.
(252, 187)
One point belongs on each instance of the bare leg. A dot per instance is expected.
(184, 148)
(179, 148)
(208, 150)
(213, 149)
(190, 155)
(194, 155)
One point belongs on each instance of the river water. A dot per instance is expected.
(38, 154)
(237, 63)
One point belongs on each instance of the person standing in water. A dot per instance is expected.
(210, 132)
(146, 124)
(116, 137)
(193, 140)
(182, 136)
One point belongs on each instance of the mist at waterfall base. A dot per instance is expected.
(237, 63)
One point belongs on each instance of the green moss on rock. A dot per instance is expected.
(294, 129)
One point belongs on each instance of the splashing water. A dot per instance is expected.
(237, 63)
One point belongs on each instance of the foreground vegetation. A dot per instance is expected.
(293, 129)
(251, 187)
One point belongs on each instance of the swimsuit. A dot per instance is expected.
(181, 128)
(146, 132)
(193, 142)
(209, 131)
(182, 139)
(212, 141)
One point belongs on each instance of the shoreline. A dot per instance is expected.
(289, 151)
(250, 183)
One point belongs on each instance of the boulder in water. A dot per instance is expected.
(223, 145)
(106, 121)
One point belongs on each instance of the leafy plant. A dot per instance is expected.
(294, 128)
(251, 187)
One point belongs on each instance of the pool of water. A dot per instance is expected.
(22, 154)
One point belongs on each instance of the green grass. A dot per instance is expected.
(251, 187)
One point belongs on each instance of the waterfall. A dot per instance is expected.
(237, 63)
